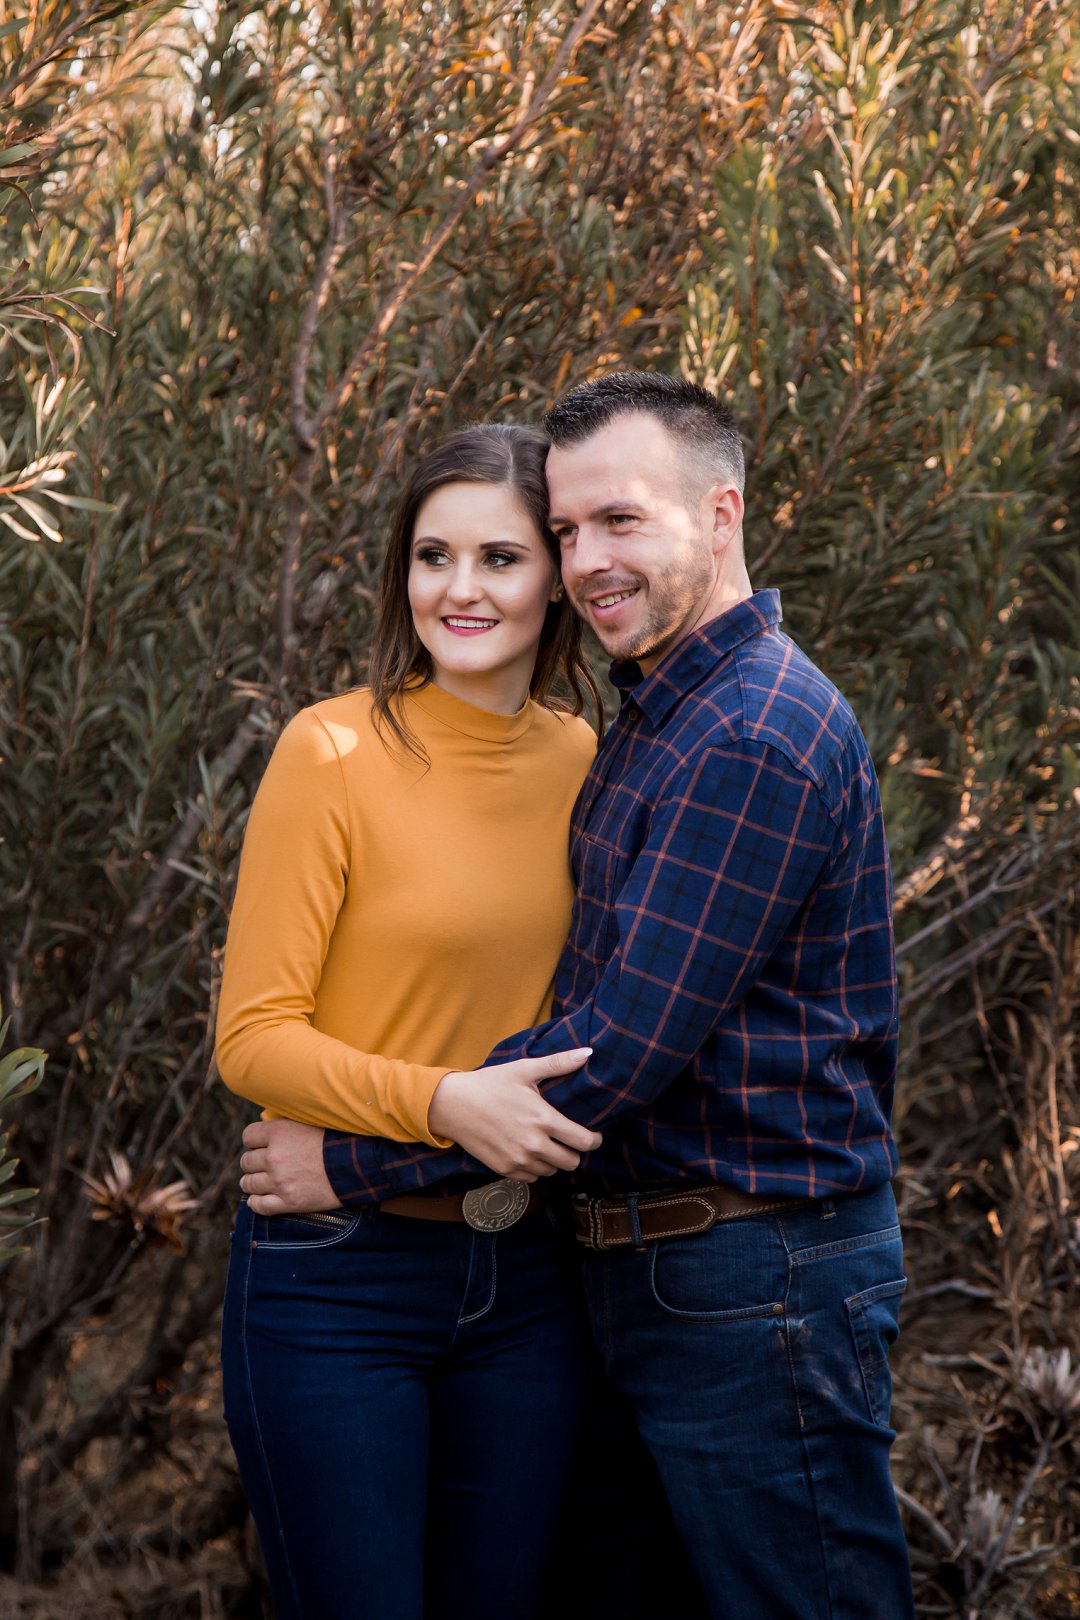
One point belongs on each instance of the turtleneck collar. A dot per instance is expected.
(467, 718)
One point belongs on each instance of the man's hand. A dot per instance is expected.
(282, 1166)
(499, 1116)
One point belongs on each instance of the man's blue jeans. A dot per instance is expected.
(754, 1357)
(404, 1398)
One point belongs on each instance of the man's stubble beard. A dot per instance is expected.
(670, 610)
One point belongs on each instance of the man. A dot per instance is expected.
(731, 967)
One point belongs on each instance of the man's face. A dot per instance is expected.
(637, 563)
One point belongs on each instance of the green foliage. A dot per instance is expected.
(880, 297)
(49, 105)
(21, 1072)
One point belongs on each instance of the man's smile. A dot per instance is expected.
(611, 601)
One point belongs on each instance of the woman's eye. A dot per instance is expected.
(431, 554)
(501, 558)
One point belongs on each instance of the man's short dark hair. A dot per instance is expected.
(703, 428)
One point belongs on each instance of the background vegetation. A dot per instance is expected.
(255, 257)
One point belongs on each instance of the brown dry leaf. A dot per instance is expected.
(155, 1212)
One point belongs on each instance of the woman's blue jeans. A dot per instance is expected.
(403, 1397)
(754, 1358)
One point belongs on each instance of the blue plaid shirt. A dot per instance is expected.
(731, 956)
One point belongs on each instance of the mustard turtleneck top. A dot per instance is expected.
(394, 921)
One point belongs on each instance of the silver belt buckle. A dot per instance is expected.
(495, 1207)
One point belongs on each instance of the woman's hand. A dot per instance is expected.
(499, 1116)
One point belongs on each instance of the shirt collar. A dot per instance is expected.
(696, 656)
(481, 724)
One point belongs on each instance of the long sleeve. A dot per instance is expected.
(739, 840)
(293, 875)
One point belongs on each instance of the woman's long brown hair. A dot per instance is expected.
(511, 458)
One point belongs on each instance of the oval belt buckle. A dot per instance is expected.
(495, 1207)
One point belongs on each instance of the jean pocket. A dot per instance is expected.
(852, 1245)
(318, 1229)
(874, 1318)
(736, 1271)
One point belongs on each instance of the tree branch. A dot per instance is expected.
(533, 106)
(142, 921)
(309, 430)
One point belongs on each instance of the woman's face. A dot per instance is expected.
(480, 580)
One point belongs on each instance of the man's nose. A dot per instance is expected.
(589, 554)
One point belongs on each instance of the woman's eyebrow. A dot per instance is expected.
(485, 545)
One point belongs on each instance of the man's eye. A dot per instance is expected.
(565, 537)
(620, 517)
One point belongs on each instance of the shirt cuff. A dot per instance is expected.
(353, 1168)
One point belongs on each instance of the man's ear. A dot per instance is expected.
(725, 508)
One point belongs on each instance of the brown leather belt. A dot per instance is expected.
(611, 1223)
(441, 1209)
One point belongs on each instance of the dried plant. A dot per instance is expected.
(1052, 1382)
(120, 1195)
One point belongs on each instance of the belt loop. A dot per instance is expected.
(635, 1224)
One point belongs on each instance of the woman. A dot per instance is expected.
(402, 1389)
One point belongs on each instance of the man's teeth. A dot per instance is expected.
(609, 601)
(473, 624)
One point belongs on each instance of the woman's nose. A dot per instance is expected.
(464, 585)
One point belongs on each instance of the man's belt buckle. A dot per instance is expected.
(495, 1207)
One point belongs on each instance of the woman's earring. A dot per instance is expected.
(557, 594)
